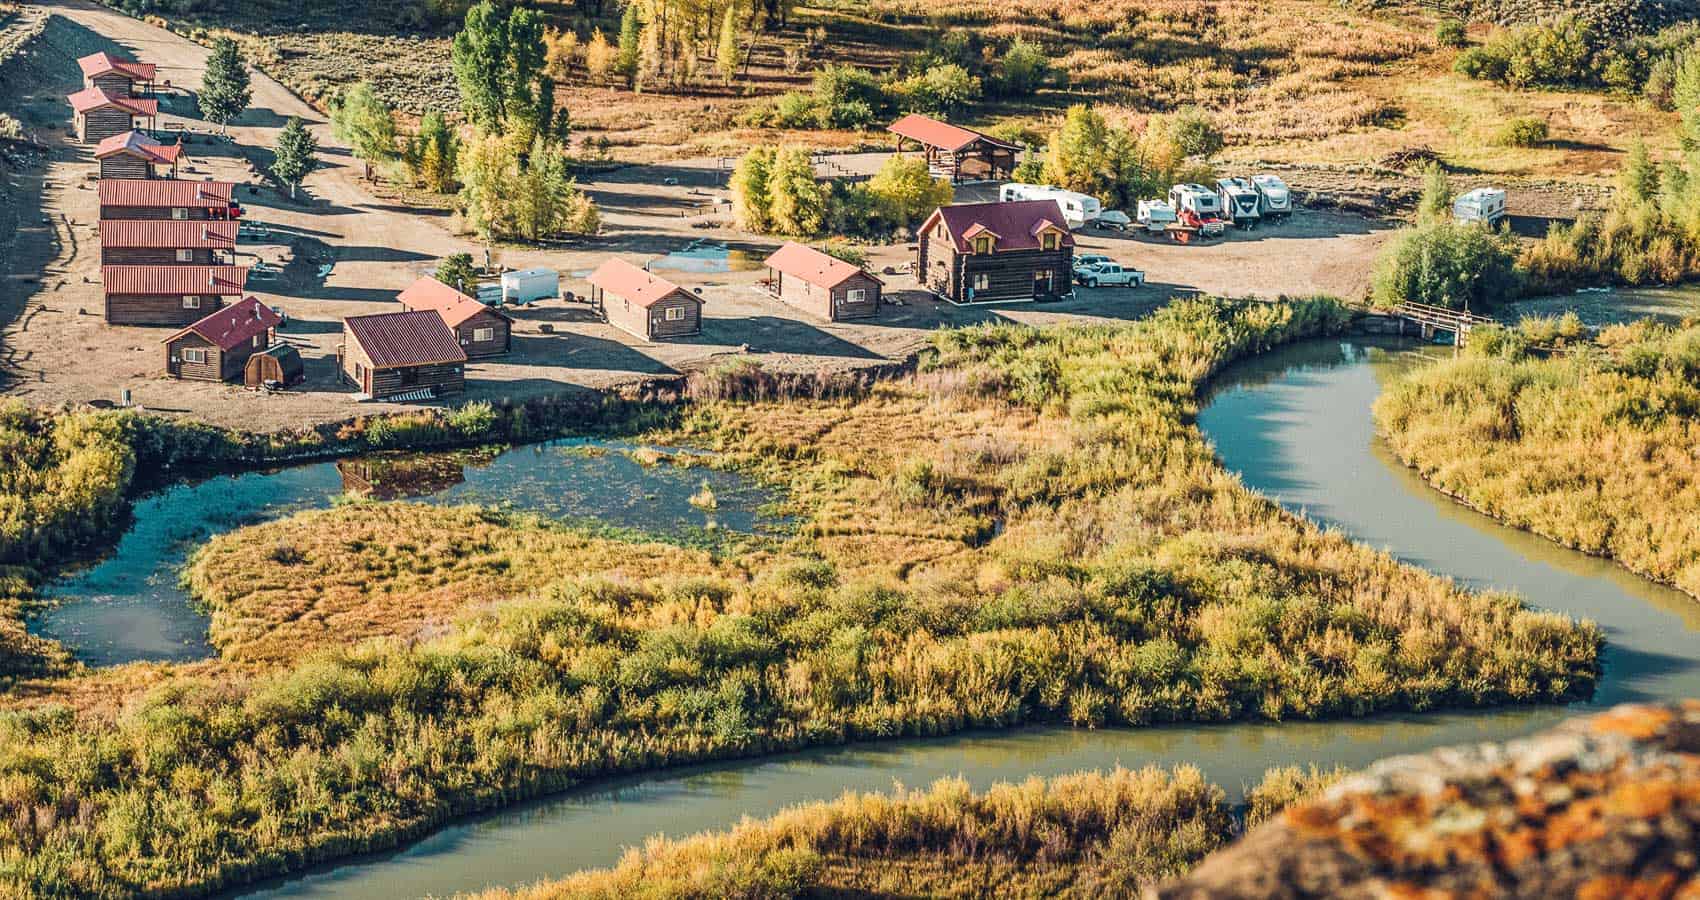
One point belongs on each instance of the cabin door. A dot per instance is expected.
(1042, 282)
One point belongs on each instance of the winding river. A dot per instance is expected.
(1295, 424)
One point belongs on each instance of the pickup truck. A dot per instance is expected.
(1085, 261)
(1109, 273)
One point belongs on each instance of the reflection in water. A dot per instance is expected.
(130, 607)
(1296, 425)
(705, 257)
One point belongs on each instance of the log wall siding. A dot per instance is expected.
(165, 256)
(220, 365)
(115, 83)
(100, 124)
(651, 324)
(1010, 274)
(194, 213)
(499, 340)
(123, 165)
(152, 309)
(831, 305)
(448, 378)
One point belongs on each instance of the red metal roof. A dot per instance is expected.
(942, 135)
(165, 280)
(89, 99)
(135, 143)
(812, 266)
(454, 306)
(1016, 224)
(168, 234)
(166, 192)
(417, 338)
(234, 325)
(102, 63)
(628, 282)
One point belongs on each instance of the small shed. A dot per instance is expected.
(823, 285)
(278, 366)
(402, 356)
(219, 346)
(957, 153)
(640, 303)
(482, 330)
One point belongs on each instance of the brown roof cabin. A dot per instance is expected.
(101, 115)
(148, 198)
(217, 347)
(168, 295)
(135, 155)
(823, 285)
(957, 153)
(482, 330)
(402, 356)
(118, 77)
(641, 304)
(167, 243)
(991, 252)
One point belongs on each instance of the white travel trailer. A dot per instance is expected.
(1155, 216)
(1240, 202)
(1276, 197)
(527, 285)
(1196, 199)
(1078, 209)
(1485, 205)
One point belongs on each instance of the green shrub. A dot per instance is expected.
(1447, 264)
(1451, 33)
(939, 91)
(1523, 131)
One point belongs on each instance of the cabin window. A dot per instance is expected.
(360, 373)
(982, 282)
(483, 334)
(195, 357)
(255, 342)
(983, 245)
(675, 314)
(855, 295)
(1050, 240)
(191, 302)
(178, 212)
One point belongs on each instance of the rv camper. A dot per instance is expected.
(1078, 209)
(1275, 198)
(1240, 203)
(1485, 205)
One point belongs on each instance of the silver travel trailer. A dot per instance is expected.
(1276, 198)
(1078, 209)
(1485, 205)
(1241, 204)
(1196, 199)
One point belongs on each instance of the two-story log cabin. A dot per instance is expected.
(217, 347)
(402, 356)
(133, 198)
(135, 155)
(482, 330)
(101, 115)
(825, 286)
(118, 77)
(167, 243)
(168, 295)
(996, 252)
(642, 304)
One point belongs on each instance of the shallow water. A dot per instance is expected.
(129, 605)
(705, 257)
(1296, 425)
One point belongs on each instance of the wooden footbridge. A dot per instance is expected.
(1432, 319)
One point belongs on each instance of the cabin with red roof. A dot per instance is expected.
(996, 252)
(402, 356)
(482, 330)
(957, 153)
(162, 198)
(642, 304)
(118, 77)
(134, 154)
(167, 243)
(100, 115)
(825, 286)
(217, 347)
(168, 295)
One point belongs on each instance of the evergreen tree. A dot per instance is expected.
(480, 56)
(457, 271)
(296, 154)
(726, 53)
(1436, 202)
(631, 41)
(1639, 181)
(225, 89)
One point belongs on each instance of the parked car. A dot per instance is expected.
(1276, 199)
(1114, 220)
(1485, 205)
(1155, 216)
(1240, 202)
(1109, 273)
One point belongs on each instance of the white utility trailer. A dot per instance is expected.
(526, 285)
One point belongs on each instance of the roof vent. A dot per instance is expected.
(212, 279)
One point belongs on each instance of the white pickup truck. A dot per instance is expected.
(1106, 274)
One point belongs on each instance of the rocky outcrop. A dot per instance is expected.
(1602, 807)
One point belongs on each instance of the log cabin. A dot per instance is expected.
(217, 347)
(167, 243)
(134, 154)
(641, 304)
(956, 153)
(168, 295)
(482, 330)
(402, 356)
(996, 252)
(822, 285)
(101, 115)
(118, 77)
(148, 198)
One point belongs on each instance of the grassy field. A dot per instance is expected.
(1593, 447)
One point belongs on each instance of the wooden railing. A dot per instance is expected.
(1439, 318)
